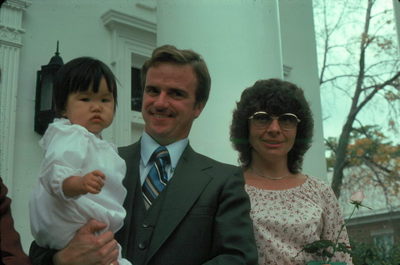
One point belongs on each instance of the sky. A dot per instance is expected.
(335, 103)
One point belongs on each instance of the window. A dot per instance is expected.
(136, 90)
(384, 241)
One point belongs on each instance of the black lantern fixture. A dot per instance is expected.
(44, 106)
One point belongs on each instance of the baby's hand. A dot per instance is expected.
(93, 182)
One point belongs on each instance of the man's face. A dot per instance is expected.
(169, 107)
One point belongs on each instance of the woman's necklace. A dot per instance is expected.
(268, 177)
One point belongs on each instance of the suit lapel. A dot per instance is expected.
(131, 182)
(186, 185)
(131, 154)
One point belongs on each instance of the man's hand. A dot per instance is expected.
(88, 248)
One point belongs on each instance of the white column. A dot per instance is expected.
(240, 42)
(10, 44)
(396, 7)
(300, 56)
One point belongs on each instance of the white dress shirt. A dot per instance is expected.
(148, 145)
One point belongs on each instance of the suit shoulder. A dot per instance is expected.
(125, 151)
(216, 164)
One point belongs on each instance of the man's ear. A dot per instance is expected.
(198, 108)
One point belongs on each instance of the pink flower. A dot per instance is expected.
(357, 197)
(321, 247)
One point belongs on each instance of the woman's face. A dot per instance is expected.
(271, 141)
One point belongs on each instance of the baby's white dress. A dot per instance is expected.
(71, 150)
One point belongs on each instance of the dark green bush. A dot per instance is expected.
(369, 254)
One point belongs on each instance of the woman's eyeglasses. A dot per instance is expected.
(287, 121)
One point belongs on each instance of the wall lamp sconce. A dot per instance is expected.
(44, 105)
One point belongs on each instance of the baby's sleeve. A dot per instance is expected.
(65, 151)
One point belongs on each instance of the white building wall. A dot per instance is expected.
(300, 55)
(239, 41)
(81, 32)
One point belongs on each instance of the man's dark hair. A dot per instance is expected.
(170, 54)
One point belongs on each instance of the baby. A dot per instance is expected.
(81, 174)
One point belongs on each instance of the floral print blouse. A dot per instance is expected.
(285, 220)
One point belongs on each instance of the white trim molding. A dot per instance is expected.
(147, 4)
(10, 45)
(131, 37)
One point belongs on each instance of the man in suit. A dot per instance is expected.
(201, 216)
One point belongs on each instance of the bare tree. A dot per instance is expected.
(359, 59)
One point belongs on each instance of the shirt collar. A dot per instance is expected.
(149, 145)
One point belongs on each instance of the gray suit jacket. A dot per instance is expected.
(202, 217)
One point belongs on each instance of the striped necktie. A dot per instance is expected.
(157, 177)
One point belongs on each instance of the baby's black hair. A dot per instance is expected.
(81, 74)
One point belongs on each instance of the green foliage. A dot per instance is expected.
(320, 248)
(371, 159)
(369, 254)
(361, 253)
(370, 145)
(394, 255)
(367, 143)
(325, 248)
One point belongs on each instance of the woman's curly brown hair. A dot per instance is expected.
(275, 97)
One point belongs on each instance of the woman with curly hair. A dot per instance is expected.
(272, 128)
